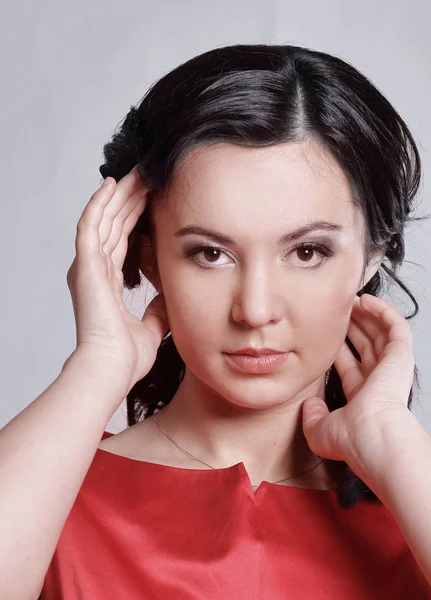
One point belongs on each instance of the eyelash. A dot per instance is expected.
(324, 251)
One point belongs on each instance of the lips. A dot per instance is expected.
(265, 363)
(256, 352)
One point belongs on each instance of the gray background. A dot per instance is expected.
(70, 72)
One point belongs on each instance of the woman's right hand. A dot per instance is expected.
(104, 327)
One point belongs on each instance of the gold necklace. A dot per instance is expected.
(211, 467)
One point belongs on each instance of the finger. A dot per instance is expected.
(313, 410)
(87, 237)
(370, 321)
(350, 371)
(155, 318)
(399, 342)
(119, 253)
(373, 326)
(125, 188)
(398, 355)
(118, 223)
(363, 344)
(375, 331)
(397, 325)
(315, 414)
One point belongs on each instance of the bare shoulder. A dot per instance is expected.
(144, 441)
(140, 441)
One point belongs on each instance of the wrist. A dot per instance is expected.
(387, 450)
(92, 368)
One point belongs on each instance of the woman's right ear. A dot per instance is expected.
(147, 261)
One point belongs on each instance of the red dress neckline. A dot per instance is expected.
(235, 471)
(144, 529)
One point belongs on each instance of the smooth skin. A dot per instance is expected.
(95, 279)
(252, 291)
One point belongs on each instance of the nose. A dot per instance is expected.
(258, 299)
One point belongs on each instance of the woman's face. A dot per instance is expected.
(256, 289)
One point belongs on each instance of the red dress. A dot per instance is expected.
(140, 530)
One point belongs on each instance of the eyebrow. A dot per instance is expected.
(288, 237)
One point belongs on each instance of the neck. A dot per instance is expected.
(270, 441)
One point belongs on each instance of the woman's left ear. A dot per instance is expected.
(373, 266)
(147, 261)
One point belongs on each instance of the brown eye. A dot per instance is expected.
(305, 253)
(211, 254)
(308, 253)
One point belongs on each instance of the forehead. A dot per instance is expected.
(288, 184)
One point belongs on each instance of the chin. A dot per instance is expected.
(251, 391)
(256, 392)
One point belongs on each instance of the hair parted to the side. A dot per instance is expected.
(262, 95)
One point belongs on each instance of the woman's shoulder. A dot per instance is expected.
(143, 442)
(138, 442)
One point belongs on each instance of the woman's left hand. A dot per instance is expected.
(377, 388)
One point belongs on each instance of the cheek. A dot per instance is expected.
(322, 328)
(323, 306)
(195, 309)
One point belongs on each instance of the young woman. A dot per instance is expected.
(270, 450)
